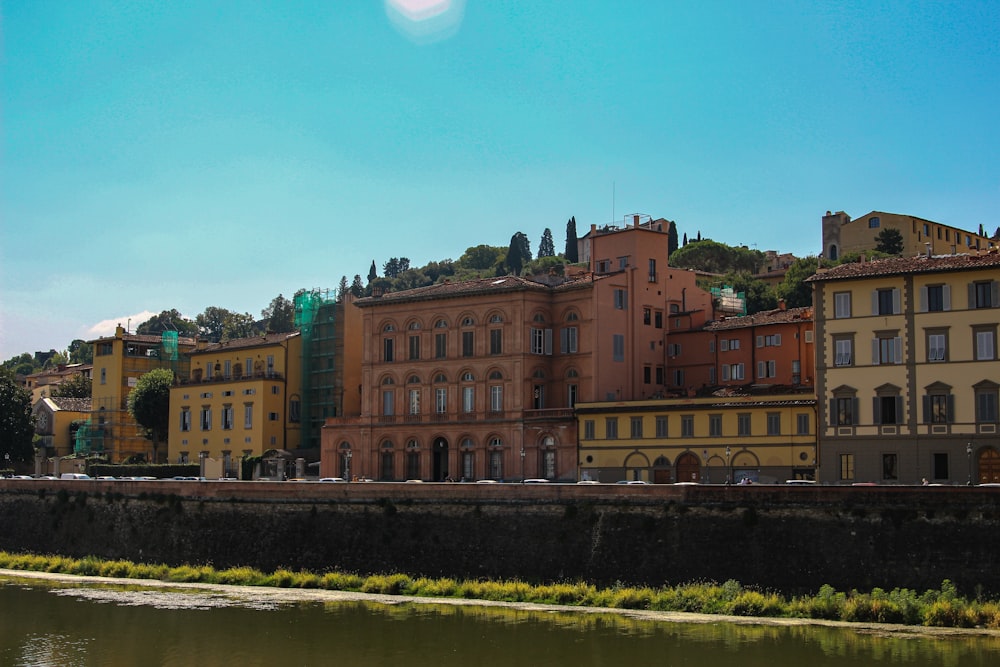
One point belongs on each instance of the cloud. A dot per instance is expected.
(107, 327)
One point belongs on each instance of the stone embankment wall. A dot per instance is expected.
(790, 539)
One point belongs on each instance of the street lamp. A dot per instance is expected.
(968, 455)
(729, 469)
(522, 464)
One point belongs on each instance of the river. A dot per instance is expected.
(67, 624)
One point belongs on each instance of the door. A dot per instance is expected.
(989, 466)
(440, 464)
(688, 468)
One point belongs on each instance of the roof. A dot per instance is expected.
(763, 318)
(904, 265)
(155, 339)
(251, 341)
(68, 404)
(499, 284)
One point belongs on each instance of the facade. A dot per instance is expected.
(242, 398)
(773, 348)
(119, 361)
(42, 383)
(731, 436)
(56, 423)
(907, 370)
(841, 235)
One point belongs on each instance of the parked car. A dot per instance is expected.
(338, 480)
(74, 475)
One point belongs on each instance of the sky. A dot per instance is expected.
(192, 154)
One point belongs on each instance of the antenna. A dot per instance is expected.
(612, 201)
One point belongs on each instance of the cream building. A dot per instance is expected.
(842, 235)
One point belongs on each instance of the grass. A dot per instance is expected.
(943, 607)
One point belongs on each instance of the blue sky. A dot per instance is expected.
(193, 154)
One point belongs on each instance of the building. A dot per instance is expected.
(42, 383)
(241, 399)
(56, 423)
(119, 361)
(841, 235)
(732, 435)
(773, 348)
(478, 379)
(907, 369)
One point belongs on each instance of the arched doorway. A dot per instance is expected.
(636, 464)
(745, 466)
(688, 468)
(440, 461)
(989, 466)
(661, 471)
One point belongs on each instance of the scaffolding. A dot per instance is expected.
(729, 300)
(317, 318)
(88, 440)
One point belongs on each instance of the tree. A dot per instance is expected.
(239, 325)
(81, 352)
(759, 295)
(212, 323)
(280, 315)
(889, 241)
(357, 289)
(342, 288)
(518, 253)
(372, 272)
(480, 257)
(76, 386)
(981, 231)
(572, 252)
(391, 268)
(545, 247)
(794, 290)
(22, 364)
(685, 238)
(17, 425)
(707, 255)
(671, 238)
(149, 405)
(168, 320)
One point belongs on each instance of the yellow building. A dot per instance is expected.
(241, 398)
(907, 370)
(734, 436)
(119, 362)
(841, 235)
(42, 383)
(56, 420)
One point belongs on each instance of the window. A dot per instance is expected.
(603, 265)
(541, 341)
(658, 319)
(841, 305)
(743, 423)
(647, 374)
(440, 400)
(588, 429)
(661, 426)
(885, 301)
(847, 466)
(248, 415)
(227, 417)
(185, 419)
(414, 402)
(468, 343)
(715, 425)
(635, 425)
(937, 345)
(890, 466)
(572, 392)
(567, 340)
(227, 369)
(468, 461)
(844, 410)
(388, 403)
(935, 298)
(673, 349)
(939, 404)
(887, 405)
(206, 418)
(440, 345)
(774, 423)
(610, 428)
(802, 424)
(773, 340)
(986, 402)
(496, 398)
(621, 299)
(652, 270)
(387, 349)
(796, 371)
(415, 347)
(887, 348)
(678, 377)
(249, 367)
(273, 416)
(659, 374)
(496, 462)
(496, 341)
(618, 347)
(104, 349)
(623, 263)
(687, 426)
(732, 372)
(985, 342)
(387, 468)
(767, 369)
(984, 294)
(873, 222)
(647, 316)
(549, 462)
(843, 351)
(412, 460)
(468, 399)
(940, 463)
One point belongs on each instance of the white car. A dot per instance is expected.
(338, 480)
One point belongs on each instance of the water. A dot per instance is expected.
(46, 623)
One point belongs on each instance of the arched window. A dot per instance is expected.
(496, 458)
(414, 326)
(345, 459)
(548, 458)
(468, 460)
(387, 463)
(412, 460)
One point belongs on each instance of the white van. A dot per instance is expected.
(74, 475)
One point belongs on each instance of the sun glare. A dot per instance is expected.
(425, 21)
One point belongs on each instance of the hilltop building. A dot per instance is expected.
(842, 235)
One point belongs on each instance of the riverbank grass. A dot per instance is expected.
(943, 607)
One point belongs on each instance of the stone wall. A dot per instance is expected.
(791, 539)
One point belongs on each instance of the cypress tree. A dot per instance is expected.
(572, 254)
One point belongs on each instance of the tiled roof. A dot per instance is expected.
(252, 341)
(71, 404)
(450, 290)
(765, 317)
(903, 265)
(145, 338)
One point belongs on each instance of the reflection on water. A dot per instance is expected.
(49, 623)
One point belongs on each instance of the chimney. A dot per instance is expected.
(635, 219)
(781, 304)
(928, 249)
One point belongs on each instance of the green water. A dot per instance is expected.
(52, 623)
